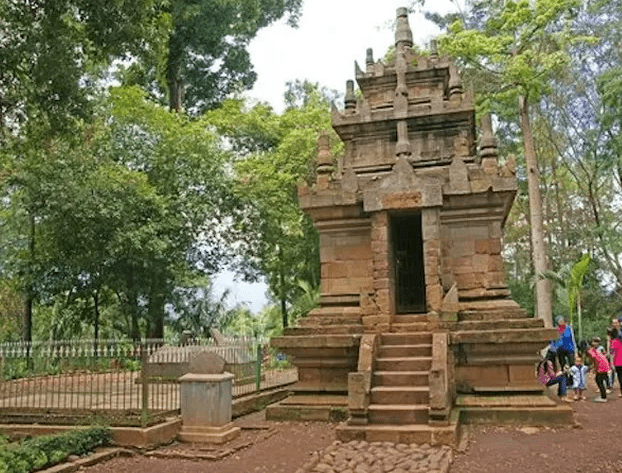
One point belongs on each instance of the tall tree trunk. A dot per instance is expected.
(29, 295)
(156, 311)
(96, 315)
(173, 75)
(133, 303)
(284, 314)
(543, 289)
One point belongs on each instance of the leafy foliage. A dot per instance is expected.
(36, 453)
(206, 56)
(272, 156)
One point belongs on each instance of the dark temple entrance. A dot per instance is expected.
(407, 243)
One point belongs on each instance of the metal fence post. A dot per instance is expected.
(258, 369)
(144, 414)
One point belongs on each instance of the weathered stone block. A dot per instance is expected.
(480, 262)
(434, 296)
(334, 270)
(495, 264)
(463, 247)
(382, 283)
(489, 247)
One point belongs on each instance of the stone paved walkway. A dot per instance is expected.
(379, 457)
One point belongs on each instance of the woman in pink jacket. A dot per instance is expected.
(601, 368)
(615, 345)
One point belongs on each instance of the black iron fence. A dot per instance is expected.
(121, 382)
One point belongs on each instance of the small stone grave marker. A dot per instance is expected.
(205, 362)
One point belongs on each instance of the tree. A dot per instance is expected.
(519, 47)
(272, 156)
(52, 52)
(570, 281)
(206, 56)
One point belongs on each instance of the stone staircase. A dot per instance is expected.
(399, 401)
(400, 392)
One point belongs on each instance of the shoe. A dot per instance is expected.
(599, 399)
(566, 399)
(620, 395)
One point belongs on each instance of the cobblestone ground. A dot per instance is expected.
(379, 457)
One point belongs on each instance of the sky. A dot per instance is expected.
(331, 35)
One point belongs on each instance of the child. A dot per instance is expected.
(602, 369)
(578, 372)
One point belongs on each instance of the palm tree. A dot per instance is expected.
(569, 280)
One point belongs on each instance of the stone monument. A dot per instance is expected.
(206, 401)
(416, 330)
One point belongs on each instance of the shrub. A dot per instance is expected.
(38, 452)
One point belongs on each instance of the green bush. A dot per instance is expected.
(36, 453)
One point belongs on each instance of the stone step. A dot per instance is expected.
(400, 395)
(513, 409)
(484, 304)
(534, 388)
(492, 314)
(470, 294)
(406, 434)
(400, 378)
(411, 327)
(406, 338)
(325, 329)
(499, 324)
(398, 414)
(314, 321)
(506, 400)
(410, 363)
(410, 318)
(397, 351)
(487, 360)
(335, 311)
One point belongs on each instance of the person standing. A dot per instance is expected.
(579, 378)
(615, 345)
(564, 345)
(613, 332)
(601, 369)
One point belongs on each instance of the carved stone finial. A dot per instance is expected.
(403, 33)
(488, 147)
(433, 49)
(324, 156)
(369, 61)
(369, 57)
(402, 148)
(455, 84)
(350, 100)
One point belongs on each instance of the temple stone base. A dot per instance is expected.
(414, 433)
(513, 409)
(310, 407)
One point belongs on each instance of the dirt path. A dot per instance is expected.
(594, 447)
(270, 447)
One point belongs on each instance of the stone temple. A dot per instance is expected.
(416, 331)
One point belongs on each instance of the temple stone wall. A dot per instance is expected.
(346, 262)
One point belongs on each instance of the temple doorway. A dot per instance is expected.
(407, 244)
